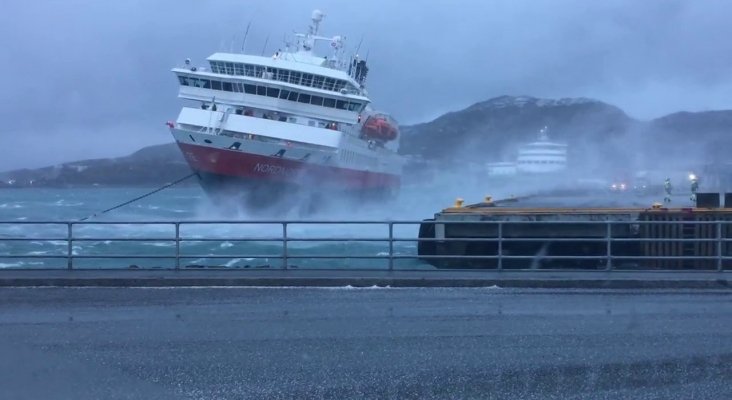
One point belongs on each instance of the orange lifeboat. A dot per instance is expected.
(380, 128)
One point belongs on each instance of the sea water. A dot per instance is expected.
(239, 244)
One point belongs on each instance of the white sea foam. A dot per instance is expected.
(11, 265)
(159, 244)
(66, 203)
(232, 262)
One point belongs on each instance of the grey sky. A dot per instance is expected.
(91, 78)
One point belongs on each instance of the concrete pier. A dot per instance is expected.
(580, 233)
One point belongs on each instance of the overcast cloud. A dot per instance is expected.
(92, 78)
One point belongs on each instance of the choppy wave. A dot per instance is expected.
(67, 203)
(190, 205)
(22, 264)
(233, 262)
(159, 244)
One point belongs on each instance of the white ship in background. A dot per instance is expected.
(267, 127)
(536, 158)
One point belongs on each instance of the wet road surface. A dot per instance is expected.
(434, 343)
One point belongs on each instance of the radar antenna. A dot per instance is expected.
(316, 17)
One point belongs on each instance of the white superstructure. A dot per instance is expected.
(540, 157)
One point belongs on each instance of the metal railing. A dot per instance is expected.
(712, 252)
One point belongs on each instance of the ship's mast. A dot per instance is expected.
(307, 40)
(543, 135)
(316, 17)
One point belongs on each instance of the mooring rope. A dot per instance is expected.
(139, 197)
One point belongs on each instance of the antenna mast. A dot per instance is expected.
(243, 42)
(265, 45)
(316, 17)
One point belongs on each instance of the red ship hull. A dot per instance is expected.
(264, 179)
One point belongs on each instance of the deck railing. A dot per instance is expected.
(707, 245)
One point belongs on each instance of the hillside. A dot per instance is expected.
(492, 129)
(153, 165)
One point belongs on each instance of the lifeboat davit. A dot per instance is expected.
(378, 127)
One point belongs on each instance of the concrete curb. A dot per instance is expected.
(340, 278)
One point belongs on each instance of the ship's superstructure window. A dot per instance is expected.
(280, 74)
(195, 82)
(260, 90)
(295, 77)
(307, 79)
(329, 84)
(318, 81)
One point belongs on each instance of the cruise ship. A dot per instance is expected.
(535, 158)
(263, 128)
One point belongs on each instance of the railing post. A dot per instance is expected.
(284, 245)
(177, 245)
(609, 251)
(391, 246)
(720, 246)
(500, 245)
(69, 245)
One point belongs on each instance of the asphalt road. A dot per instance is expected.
(270, 343)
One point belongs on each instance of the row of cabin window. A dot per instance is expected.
(278, 74)
(283, 94)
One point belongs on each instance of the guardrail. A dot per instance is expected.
(715, 251)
